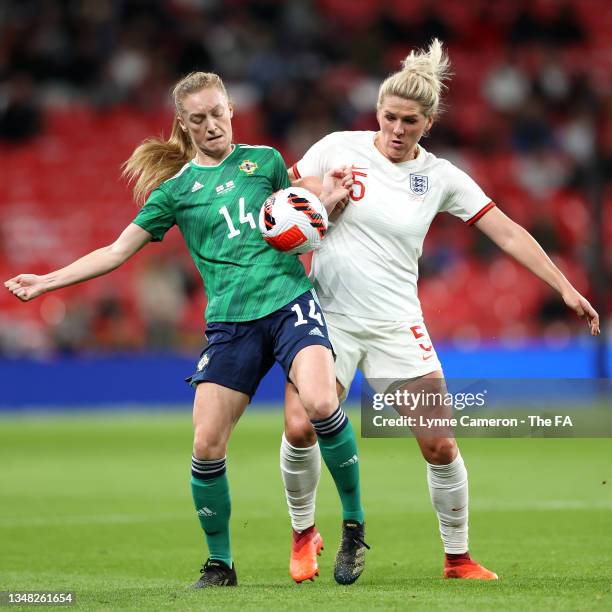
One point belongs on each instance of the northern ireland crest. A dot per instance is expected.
(203, 362)
(419, 184)
(248, 166)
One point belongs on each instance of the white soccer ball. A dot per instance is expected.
(293, 220)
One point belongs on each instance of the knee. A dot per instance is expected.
(207, 445)
(299, 431)
(440, 451)
(320, 407)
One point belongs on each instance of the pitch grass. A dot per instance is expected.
(100, 504)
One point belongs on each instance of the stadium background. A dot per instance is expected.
(82, 82)
(98, 501)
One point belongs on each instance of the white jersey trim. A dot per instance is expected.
(178, 173)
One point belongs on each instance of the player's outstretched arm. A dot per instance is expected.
(29, 286)
(312, 183)
(520, 244)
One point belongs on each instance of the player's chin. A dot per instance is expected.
(396, 155)
(215, 145)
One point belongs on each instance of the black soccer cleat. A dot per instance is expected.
(216, 573)
(350, 559)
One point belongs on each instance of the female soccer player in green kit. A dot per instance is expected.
(258, 298)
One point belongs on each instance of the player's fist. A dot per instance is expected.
(26, 286)
(581, 306)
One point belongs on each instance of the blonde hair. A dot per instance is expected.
(421, 79)
(156, 160)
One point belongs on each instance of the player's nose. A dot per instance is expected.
(211, 127)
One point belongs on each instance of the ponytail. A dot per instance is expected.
(156, 160)
(421, 79)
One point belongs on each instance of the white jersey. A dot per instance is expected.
(367, 264)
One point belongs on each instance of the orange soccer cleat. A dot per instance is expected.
(304, 550)
(466, 568)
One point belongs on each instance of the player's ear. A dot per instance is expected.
(231, 110)
(379, 116)
(181, 123)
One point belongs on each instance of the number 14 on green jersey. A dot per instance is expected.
(244, 218)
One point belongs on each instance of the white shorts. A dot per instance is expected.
(388, 353)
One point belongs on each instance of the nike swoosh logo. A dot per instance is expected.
(457, 509)
(426, 357)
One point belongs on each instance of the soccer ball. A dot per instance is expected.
(293, 220)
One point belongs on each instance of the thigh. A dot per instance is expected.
(216, 410)
(397, 352)
(217, 407)
(296, 326)
(237, 356)
(312, 373)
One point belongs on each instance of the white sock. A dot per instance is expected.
(300, 468)
(448, 487)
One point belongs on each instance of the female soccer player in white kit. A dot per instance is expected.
(365, 275)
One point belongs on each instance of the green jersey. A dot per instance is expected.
(217, 210)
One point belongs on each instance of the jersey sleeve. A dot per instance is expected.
(464, 198)
(280, 177)
(316, 161)
(157, 215)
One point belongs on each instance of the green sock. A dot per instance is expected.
(339, 452)
(213, 505)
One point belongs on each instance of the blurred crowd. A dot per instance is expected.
(529, 116)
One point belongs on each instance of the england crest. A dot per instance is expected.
(419, 184)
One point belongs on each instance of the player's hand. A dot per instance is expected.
(26, 286)
(336, 185)
(581, 306)
(339, 208)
